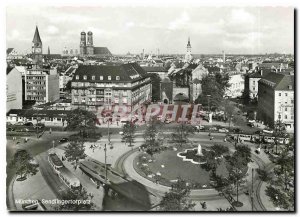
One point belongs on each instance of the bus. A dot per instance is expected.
(67, 177)
(244, 137)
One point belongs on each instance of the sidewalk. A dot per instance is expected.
(33, 188)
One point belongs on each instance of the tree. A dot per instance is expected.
(177, 198)
(236, 164)
(81, 120)
(82, 196)
(280, 198)
(279, 132)
(128, 133)
(219, 149)
(286, 163)
(214, 85)
(264, 175)
(150, 136)
(75, 152)
(244, 152)
(24, 164)
(182, 132)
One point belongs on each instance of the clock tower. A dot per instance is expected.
(37, 47)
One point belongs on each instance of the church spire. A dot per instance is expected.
(48, 50)
(189, 43)
(36, 37)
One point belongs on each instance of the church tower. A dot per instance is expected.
(90, 46)
(37, 47)
(188, 55)
(83, 44)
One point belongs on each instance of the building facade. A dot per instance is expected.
(237, 84)
(276, 99)
(13, 89)
(106, 86)
(41, 84)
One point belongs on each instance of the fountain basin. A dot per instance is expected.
(193, 156)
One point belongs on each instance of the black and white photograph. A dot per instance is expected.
(177, 108)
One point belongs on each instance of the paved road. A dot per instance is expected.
(49, 175)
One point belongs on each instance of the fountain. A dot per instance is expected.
(199, 151)
(195, 155)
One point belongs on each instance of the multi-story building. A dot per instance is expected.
(94, 86)
(41, 84)
(236, 88)
(251, 82)
(276, 99)
(13, 89)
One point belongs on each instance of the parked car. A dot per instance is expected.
(251, 121)
(28, 124)
(223, 130)
(237, 130)
(121, 133)
(63, 140)
(200, 127)
(250, 124)
(21, 123)
(213, 129)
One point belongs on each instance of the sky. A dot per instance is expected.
(249, 30)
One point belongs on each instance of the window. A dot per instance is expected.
(109, 78)
(292, 101)
(101, 78)
(77, 77)
(253, 88)
(279, 94)
(84, 77)
(117, 78)
(253, 82)
(286, 94)
(285, 109)
(93, 77)
(285, 117)
(292, 117)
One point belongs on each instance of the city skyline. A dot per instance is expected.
(256, 30)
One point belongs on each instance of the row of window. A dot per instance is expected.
(101, 77)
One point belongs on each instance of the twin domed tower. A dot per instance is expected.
(86, 46)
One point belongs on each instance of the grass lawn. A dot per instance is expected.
(170, 166)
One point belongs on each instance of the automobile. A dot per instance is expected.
(21, 123)
(28, 124)
(63, 140)
(200, 127)
(213, 129)
(257, 132)
(223, 130)
(167, 121)
(237, 130)
(251, 121)
(268, 131)
(10, 129)
(250, 124)
(39, 125)
(121, 133)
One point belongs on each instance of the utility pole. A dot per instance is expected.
(53, 142)
(105, 163)
(252, 192)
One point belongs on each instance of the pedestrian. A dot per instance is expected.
(50, 131)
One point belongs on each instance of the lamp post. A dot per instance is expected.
(105, 149)
(252, 192)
